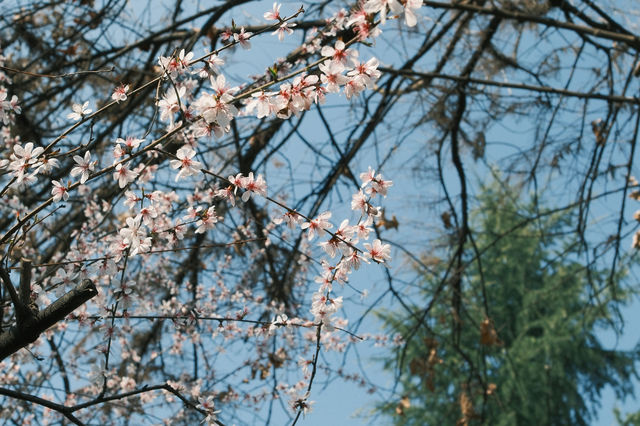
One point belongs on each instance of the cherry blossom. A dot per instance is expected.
(291, 218)
(7, 107)
(218, 107)
(243, 38)
(359, 201)
(207, 221)
(134, 236)
(251, 185)
(204, 129)
(208, 404)
(219, 85)
(332, 75)
(27, 153)
(262, 101)
(375, 184)
(212, 64)
(175, 65)
(170, 103)
(409, 15)
(284, 28)
(227, 192)
(123, 175)
(47, 164)
(59, 191)
(339, 53)
(120, 93)
(22, 159)
(366, 72)
(148, 220)
(13, 105)
(84, 166)
(375, 6)
(184, 59)
(301, 403)
(318, 225)
(353, 260)
(367, 177)
(148, 213)
(353, 87)
(79, 111)
(339, 239)
(377, 251)
(362, 229)
(185, 162)
(130, 142)
(273, 14)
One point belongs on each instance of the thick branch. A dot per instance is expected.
(22, 313)
(21, 335)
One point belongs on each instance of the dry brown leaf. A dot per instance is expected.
(488, 334)
(466, 408)
(446, 220)
(388, 223)
(403, 405)
(491, 389)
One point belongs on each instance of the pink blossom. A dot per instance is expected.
(359, 201)
(79, 111)
(13, 105)
(207, 221)
(59, 191)
(257, 186)
(291, 218)
(170, 104)
(212, 64)
(228, 193)
(273, 14)
(174, 66)
(410, 17)
(262, 102)
(120, 93)
(377, 251)
(332, 75)
(208, 405)
(353, 259)
(217, 108)
(375, 6)
(185, 163)
(366, 72)
(243, 38)
(84, 166)
(134, 237)
(317, 225)
(339, 53)
(353, 87)
(123, 175)
(130, 142)
(284, 28)
(147, 214)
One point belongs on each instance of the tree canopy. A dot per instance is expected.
(531, 354)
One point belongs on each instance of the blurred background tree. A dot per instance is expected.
(527, 350)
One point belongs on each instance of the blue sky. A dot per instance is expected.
(338, 401)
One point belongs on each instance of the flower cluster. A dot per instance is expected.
(149, 214)
(8, 107)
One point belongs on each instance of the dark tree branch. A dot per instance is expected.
(21, 335)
